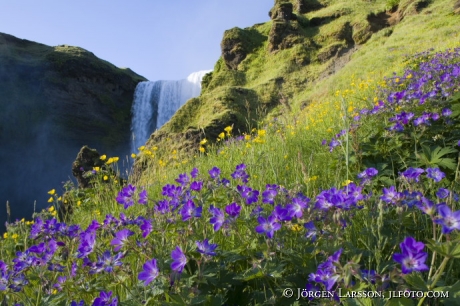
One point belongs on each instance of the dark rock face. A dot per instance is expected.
(284, 33)
(54, 100)
(237, 44)
(86, 160)
(306, 6)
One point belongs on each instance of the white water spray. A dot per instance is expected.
(156, 102)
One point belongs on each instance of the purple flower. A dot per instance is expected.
(448, 219)
(121, 238)
(196, 186)
(125, 196)
(240, 173)
(150, 272)
(183, 179)
(87, 243)
(446, 112)
(412, 174)
(249, 194)
(435, 174)
(190, 210)
(390, 195)
(217, 218)
(311, 231)
(281, 213)
(143, 197)
(74, 303)
(179, 260)
(411, 258)
(194, 173)
(442, 193)
(269, 194)
(206, 248)
(326, 273)
(367, 174)
(297, 205)
(426, 206)
(162, 207)
(105, 299)
(233, 210)
(267, 226)
(146, 227)
(214, 173)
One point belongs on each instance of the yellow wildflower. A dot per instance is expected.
(96, 169)
(22, 220)
(222, 135)
(78, 203)
(141, 148)
(115, 159)
(133, 155)
(203, 141)
(155, 148)
(103, 157)
(52, 191)
(60, 199)
(50, 200)
(51, 209)
(247, 137)
(106, 177)
(228, 129)
(296, 228)
(109, 161)
(15, 236)
(346, 182)
(5, 235)
(261, 132)
(202, 149)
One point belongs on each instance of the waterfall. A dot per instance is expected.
(156, 102)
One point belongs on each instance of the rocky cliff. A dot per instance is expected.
(53, 100)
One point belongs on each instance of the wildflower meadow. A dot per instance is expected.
(352, 202)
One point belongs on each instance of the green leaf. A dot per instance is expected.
(449, 249)
(251, 274)
(399, 302)
(416, 281)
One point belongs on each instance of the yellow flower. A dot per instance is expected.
(346, 182)
(109, 161)
(78, 203)
(222, 135)
(53, 213)
(155, 148)
(5, 235)
(106, 177)
(261, 132)
(22, 220)
(202, 149)
(247, 137)
(15, 236)
(141, 148)
(52, 191)
(203, 141)
(60, 199)
(409, 76)
(115, 159)
(228, 129)
(50, 200)
(51, 209)
(296, 228)
(397, 80)
(103, 157)
(96, 168)
(133, 155)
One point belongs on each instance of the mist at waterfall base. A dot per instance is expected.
(155, 102)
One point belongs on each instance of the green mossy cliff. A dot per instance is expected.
(307, 50)
(82, 98)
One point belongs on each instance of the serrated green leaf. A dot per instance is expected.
(416, 281)
(399, 302)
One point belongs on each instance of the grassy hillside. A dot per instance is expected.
(346, 177)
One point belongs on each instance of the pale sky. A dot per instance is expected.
(159, 39)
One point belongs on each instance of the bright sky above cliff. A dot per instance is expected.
(159, 39)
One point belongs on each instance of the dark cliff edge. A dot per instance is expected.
(54, 100)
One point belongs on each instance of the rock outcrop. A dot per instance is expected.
(285, 28)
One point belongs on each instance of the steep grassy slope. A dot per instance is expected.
(308, 51)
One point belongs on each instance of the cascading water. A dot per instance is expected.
(156, 102)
